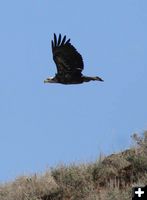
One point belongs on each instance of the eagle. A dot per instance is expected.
(69, 63)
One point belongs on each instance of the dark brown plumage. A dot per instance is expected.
(69, 63)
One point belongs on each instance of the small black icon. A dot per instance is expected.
(140, 193)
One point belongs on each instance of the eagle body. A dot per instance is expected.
(69, 63)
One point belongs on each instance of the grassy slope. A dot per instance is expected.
(110, 178)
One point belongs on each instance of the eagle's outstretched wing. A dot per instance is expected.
(66, 57)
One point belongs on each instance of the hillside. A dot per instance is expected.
(110, 178)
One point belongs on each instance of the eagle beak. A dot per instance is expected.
(46, 81)
(49, 80)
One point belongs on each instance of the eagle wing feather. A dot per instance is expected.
(67, 59)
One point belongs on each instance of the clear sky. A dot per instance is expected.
(42, 125)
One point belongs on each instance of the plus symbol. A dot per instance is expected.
(139, 192)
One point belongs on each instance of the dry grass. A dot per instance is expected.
(29, 188)
(109, 179)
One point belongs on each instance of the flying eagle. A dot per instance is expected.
(69, 63)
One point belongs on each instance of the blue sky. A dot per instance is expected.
(42, 125)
